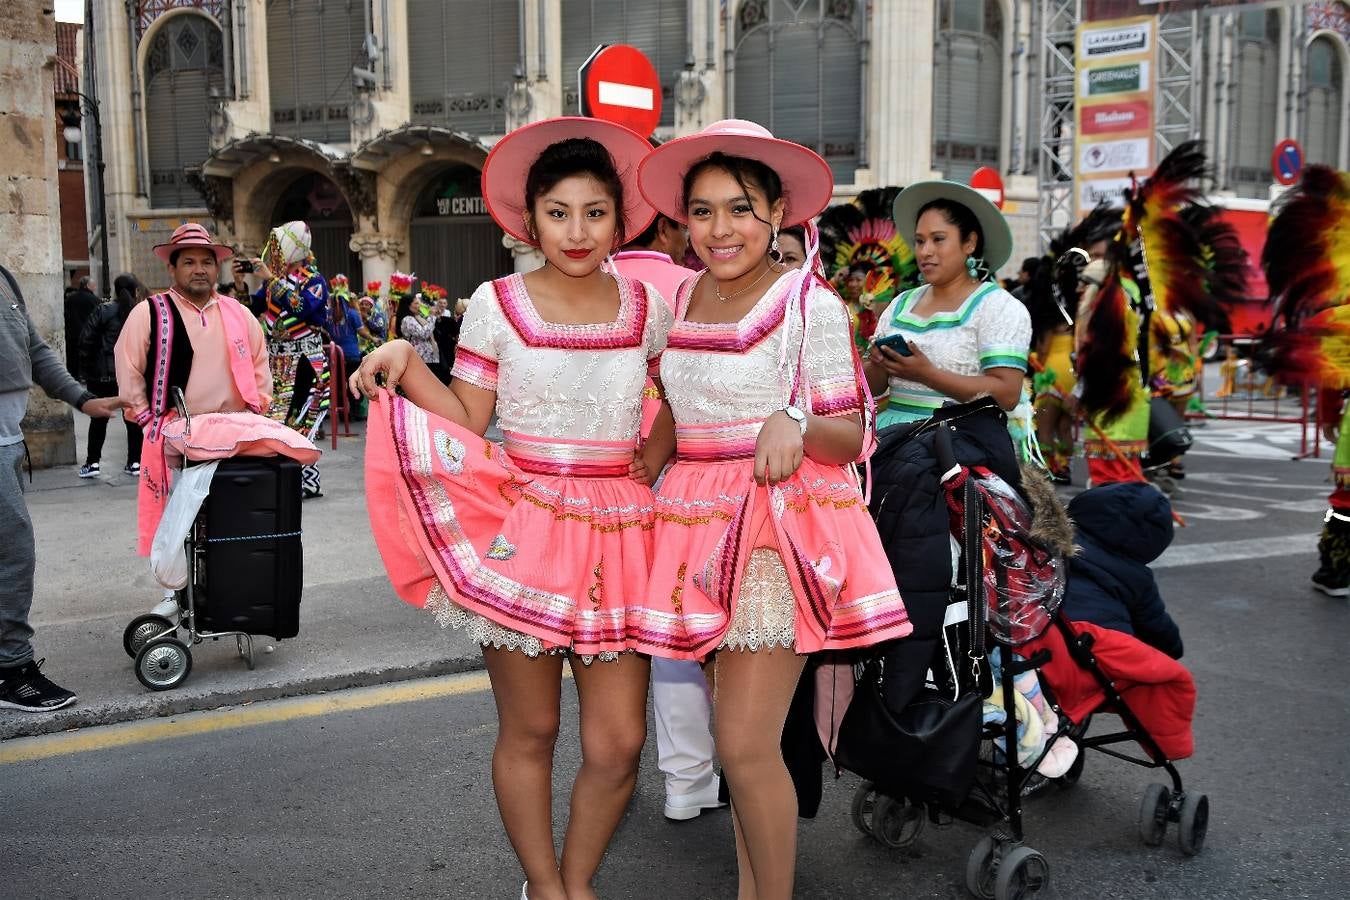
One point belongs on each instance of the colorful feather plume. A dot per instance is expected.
(1107, 364)
(1225, 261)
(862, 233)
(1051, 309)
(1155, 212)
(1307, 263)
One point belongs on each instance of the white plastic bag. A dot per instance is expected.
(168, 561)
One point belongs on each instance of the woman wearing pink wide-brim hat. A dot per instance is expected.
(539, 547)
(767, 551)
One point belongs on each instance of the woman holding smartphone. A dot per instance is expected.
(959, 335)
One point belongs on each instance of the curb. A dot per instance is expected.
(169, 703)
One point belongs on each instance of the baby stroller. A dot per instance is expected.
(921, 742)
(244, 570)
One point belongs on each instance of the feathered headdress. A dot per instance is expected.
(339, 284)
(400, 283)
(432, 291)
(1307, 263)
(862, 233)
(1106, 362)
(1225, 263)
(373, 288)
(1054, 287)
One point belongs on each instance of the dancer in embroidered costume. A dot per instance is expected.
(1307, 263)
(191, 338)
(1159, 239)
(1054, 296)
(295, 318)
(539, 548)
(966, 336)
(765, 547)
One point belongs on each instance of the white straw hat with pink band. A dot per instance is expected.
(509, 162)
(192, 235)
(807, 181)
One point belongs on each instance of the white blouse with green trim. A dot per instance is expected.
(991, 329)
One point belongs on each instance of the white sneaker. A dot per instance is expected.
(682, 807)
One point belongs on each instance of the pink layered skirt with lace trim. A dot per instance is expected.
(548, 541)
(711, 518)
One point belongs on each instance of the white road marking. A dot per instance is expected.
(1232, 551)
(630, 95)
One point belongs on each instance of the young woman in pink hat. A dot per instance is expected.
(766, 548)
(539, 548)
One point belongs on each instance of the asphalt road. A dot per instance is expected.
(382, 798)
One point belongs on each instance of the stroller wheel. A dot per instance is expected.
(143, 630)
(864, 801)
(244, 645)
(163, 664)
(1193, 823)
(980, 872)
(1022, 874)
(897, 823)
(1153, 809)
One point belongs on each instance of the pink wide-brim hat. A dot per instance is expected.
(192, 235)
(509, 163)
(807, 181)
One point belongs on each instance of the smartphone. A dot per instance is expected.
(897, 342)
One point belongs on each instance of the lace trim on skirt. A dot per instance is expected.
(487, 633)
(765, 614)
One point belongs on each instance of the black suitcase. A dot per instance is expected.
(250, 573)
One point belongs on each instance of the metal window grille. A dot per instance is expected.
(184, 66)
(462, 58)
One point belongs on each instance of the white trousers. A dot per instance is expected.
(684, 741)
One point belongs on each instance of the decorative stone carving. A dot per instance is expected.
(218, 192)
(369, 245)
(359, 186)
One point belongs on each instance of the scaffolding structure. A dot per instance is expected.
(1177, 104)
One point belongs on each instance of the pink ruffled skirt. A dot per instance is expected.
(731, 553)
(544, 547)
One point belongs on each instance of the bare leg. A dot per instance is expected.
(754, 691)
(528, 692)
(613, 697)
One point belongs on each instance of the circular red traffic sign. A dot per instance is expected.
(1287, 161)
(989, 183)
(619, 84)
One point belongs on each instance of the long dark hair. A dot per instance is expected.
(401, 312)
(127, 290)
(575, 156)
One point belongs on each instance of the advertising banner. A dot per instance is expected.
(1116, 63)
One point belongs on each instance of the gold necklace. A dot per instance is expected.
(729, 297)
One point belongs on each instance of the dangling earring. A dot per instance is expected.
(774, 253)
(974, 267)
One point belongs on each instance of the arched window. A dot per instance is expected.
(1326, 100)
(312, 46)
(659, 28)
(462, 59)
(1255, 105)
(183, 68)
(967, 87)
(798, 74)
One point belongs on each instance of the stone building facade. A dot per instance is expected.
(371, 118)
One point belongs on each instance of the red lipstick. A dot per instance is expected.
(576, 254)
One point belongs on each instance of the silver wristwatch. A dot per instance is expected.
(797, 416)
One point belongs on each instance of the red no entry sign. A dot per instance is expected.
(1287, 161)
(989, 183)
(619, 84)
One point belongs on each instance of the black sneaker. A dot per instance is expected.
(1330, 583)
(27, 689)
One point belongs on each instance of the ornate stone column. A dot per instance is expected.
(525, 257)
(30, 228)
(380, 255)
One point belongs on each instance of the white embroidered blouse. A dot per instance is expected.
(739, 373)
(562, 381)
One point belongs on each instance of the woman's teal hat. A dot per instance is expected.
(998, 240)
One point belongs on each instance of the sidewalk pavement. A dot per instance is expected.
(90, 583)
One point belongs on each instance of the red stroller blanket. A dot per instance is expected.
(1159, 690)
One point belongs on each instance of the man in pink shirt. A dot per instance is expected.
(684, 742)
(192, 339)
(652, 257)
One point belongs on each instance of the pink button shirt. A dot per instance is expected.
(210, 386)
(655, 268)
